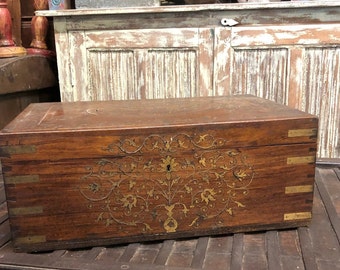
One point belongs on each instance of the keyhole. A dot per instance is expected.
(168, 167)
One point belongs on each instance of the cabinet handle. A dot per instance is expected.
(228, 22)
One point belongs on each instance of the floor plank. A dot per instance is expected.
(164, 252)
(199, 253)
(325, 245)
(218, 255)
(182, 253)
(273, 250)
(307, 249)
(290, 249)
(254, 251)
(237, 252)
(329, 188)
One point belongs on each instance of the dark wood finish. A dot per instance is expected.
(27, 14)
(124, 171)
(12, 104)
(21, 87)
(15, 10)
(39, 26)
(26, 73)
(6, 38)
(284, 249)
(7, 45)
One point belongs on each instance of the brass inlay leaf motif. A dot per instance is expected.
(162, 183)
(160, 143)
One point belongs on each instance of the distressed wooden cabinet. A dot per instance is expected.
(285, 52)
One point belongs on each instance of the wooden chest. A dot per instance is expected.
(98, 173)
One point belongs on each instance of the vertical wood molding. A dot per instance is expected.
(65, 47)
(76, 71)
(15, 10)
(322, 80)
(142, 79)
(171, 73)
(119, 69)
(261, 72)
(222, 62)
(205, 61)
(296, 84)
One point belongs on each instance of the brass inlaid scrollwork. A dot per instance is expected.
(158, 143)
(163, 183)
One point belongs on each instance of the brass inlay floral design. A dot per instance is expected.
(163, 183)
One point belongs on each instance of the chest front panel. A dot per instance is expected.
(156, 186)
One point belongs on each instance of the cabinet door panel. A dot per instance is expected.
(137, 64)
(173, 73)
(297, 65)
(261, 72)
(105, 69)
(321, 95)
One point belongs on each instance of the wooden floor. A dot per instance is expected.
(313, 247)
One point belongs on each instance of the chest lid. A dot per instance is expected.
(141, 114)
(247, 119)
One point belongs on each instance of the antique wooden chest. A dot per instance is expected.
(97, 173)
